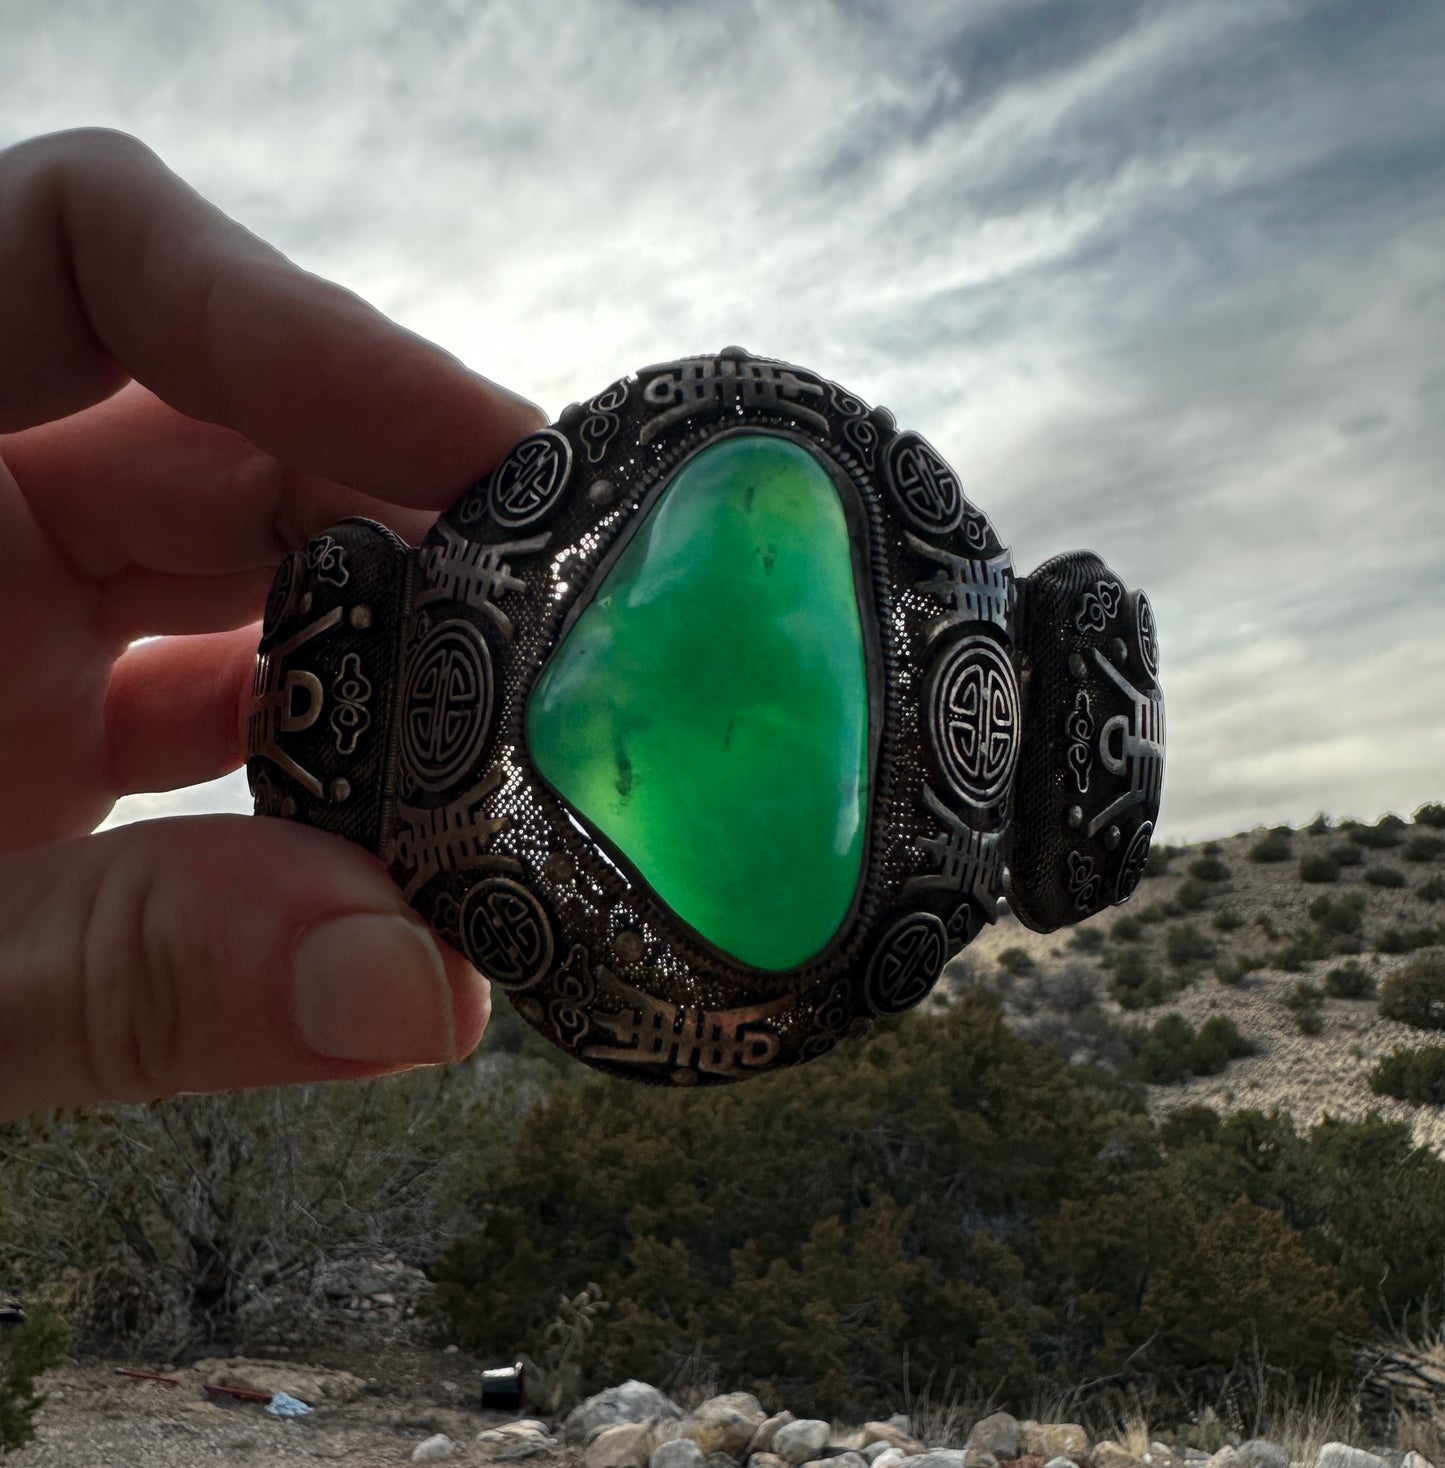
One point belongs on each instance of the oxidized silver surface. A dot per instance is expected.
(1016, 727)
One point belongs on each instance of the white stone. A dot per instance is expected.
(998, 1433)
(434, 1449)
(885, 1456)
(938, 1458)
(1061, 1462)
(633, 1401)
(681, 1453)
(1342, 1455)
(799, 1442)
(1412, 1460)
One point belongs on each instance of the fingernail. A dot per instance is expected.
(372, 986)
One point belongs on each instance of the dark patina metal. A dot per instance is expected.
(1017, 728)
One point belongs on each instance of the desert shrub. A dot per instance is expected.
(1154, 913)
(1432, 889)
(1385, 833)
(1404, 940)
(1348, 854)
(1170, 1050)
(1350, 981)
(1157, 863)
(1191, 895)
(1318, 866)
(1188, 1126)
(1088, 939)
(35, 1348)
(1210, 848)
(1423, 848)
(1266, 925)
(1127, 929)
(1226, 920)
(1016, 961)
(1343, 914)
(1303, 995)
(1320, 826)
(1417, 1076)
(1302, 946)
(1309, 1021)
(1432, 813)
(1185, 944)
(1385, 876)
(1135, 982)
(1209, 869)
(1415, 995)
(1346, 943)
(1272, 846)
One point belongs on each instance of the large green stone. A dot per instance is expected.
(708, 710)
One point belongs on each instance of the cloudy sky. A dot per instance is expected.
(1165, 280)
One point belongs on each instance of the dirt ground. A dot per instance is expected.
(96, 1418)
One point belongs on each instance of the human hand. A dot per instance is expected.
(180, 407)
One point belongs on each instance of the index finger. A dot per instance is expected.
(111, 268)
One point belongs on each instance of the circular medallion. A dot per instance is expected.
(530, 480)
(506, 933)
(1131, 869)
(446, 707)
(926, 490)
(906, 963)
(1147, 635)
(973, 719)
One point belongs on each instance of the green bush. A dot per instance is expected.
(1266, 925)
(1170, 1051)
(1417, 1076)
(1385, 876)
(1087, 939)
(1304, 945)
(36, 1347)
(1157, 863)
(1127, 929)
(1185, 945)
(1432, 889)
(1191, 895)
(1272, 846)
(1350, 981)
(1386, 832)
(1226, 920)
(1343, 914)
(1431, 814)
(1320, 826)
(1303, 995)
(1423, 848)
(1404, 940)
(1016, 961)
(1155, 912)
(1309, 1021)
(1416, 994)
(1135, 982)
(1209, 869)
(1318, 866)
(1348, 854)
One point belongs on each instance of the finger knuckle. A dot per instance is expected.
(133, 985)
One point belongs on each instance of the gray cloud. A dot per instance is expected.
(1162, 279)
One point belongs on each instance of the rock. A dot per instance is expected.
(633, 1401)
(720, 1460)
(1109, 1454)
(1415, 1460)
(1025, 1460)
(1226, 1457)
(875, 1453)
(522, 1447)
(901, 1422)
(624, 1445)
(1061, 1462)
(1258, 1452)
(979, 1458)
(801, 1442)
(682, 1452)
(938, 1458)
(998, 1433)
(891, 1434)
(1054, 1440)
(719, 1426)
(846, 1459)
(434, 1449)
(1161, 1455)
(311, 1384)
(767, 1460)
(762, 1439)
(1342, 1455)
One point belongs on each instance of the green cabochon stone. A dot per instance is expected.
(708, 710)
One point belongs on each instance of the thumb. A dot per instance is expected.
(213, 953)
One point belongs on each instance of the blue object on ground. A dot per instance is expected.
(282, 1405)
